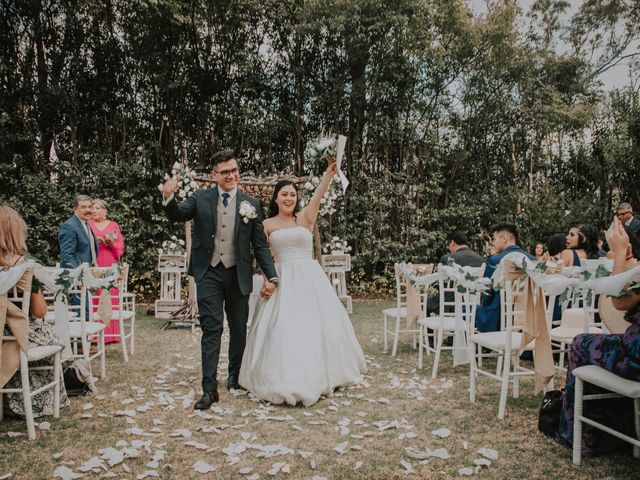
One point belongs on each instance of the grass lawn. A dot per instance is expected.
(143, 412)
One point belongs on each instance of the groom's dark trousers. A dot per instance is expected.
(217, 285)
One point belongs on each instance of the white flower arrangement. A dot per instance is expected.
(187, 184)
(328, 200)
(247, 211)
(173, 246)
(336, 245)
(320, 151)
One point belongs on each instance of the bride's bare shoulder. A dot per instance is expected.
(268, 225)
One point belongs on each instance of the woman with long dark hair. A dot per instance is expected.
(301, 344)
(582, 244)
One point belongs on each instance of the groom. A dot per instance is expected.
(226, 223)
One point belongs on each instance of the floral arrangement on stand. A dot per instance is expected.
(187, 183)
(173, 246)
(336, 246)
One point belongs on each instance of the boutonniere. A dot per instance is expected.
(247, 211)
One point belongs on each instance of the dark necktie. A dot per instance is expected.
(225, 199)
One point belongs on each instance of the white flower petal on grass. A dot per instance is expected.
(482, 462)
(438, 453)
(341, 447)
(466, 471)
(44, 426)
(203, 467)
(66, 473)
(181, 432)
(304, 454)
(465, 444)
(447, 384)
(383, 400)
(93, 462)
(358, 465)
(245, 470)
(318, 477)
(148, 474)
(415, 453)
(441, 432)
(407, 466)
(275, 468)
(87, 406)
(199, 446)
(55, 456)
(411, 435)
(112, 456)
(254, 476)
(489, 453)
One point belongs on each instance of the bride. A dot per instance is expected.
(301, 344)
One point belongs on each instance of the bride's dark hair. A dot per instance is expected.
(273, 206)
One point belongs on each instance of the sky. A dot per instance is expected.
(615, 77)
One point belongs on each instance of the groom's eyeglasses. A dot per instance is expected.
(226, 173)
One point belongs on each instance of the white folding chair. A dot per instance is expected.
(437, 327)
(121, 310)
(33, 354)
(620, 387)
(84, 331)
(398, 313)
(444, 324)
(504, 345)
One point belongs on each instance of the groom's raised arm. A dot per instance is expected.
(261, 246)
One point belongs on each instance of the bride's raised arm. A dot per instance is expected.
(309, 213)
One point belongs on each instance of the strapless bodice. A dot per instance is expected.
(293, 243)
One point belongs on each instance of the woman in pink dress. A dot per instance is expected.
(110, 249)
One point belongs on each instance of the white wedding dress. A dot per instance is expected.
(301, 343)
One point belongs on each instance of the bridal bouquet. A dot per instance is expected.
(336, 245)
(318, 153)
(173, 246)
(186, 180)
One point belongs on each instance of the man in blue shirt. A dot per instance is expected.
(505, 241)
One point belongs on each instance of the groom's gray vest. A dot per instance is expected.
(223, 244)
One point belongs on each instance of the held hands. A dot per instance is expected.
(170, 187)
(267, 289)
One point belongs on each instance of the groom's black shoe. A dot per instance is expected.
(232, 382)
(208, 397)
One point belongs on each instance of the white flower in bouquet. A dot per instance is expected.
(320, 151)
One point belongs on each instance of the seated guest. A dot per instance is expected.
(461, 254)
(13, 248)
(624, 212)
(618, 353)
(557, 244)
(505, 241)
(582, 244)
(538, 251)
(602, 252)
(459, 251)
